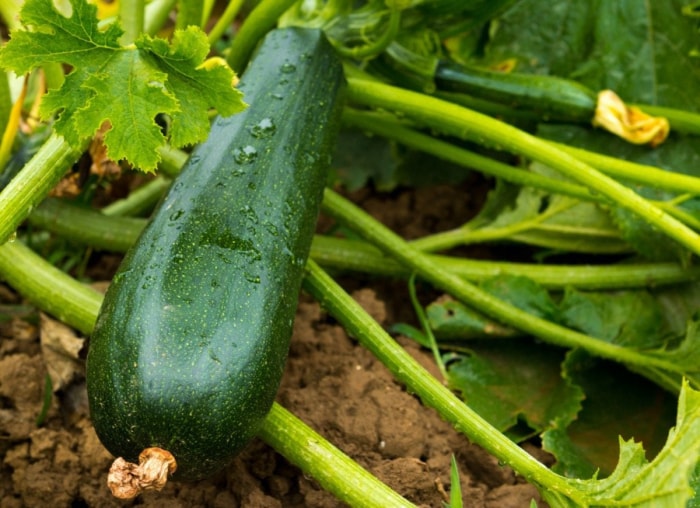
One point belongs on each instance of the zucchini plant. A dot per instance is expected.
(191, 339)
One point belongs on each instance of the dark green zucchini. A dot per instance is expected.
(191, 341)
(551, 97)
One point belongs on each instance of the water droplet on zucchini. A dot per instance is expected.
(245, 154)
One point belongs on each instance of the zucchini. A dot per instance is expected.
(191, 340)
(553, 98)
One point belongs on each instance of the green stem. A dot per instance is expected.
(48, 288)
(335, 471)
(139, 201)
(633, 171)
(259, 21)
(232, 9)
(77, 223)
(358, 256)
(34, 181)
(132, 16)
(390, 128)
(77, 305)
(98, 231)
(371, 335)
(156, 15)
(393, 245)
(467, 124)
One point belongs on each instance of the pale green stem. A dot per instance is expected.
(465, 235)
(256, 25)
(466, 124)
(139, 201)
(131, 16)
(232, 9)
(633, 171)
(48, 288)
(156, 15)
(34, 181)
(117, 234)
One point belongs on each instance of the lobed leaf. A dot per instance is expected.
(122, 87)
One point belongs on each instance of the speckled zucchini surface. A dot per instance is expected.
(192, 338)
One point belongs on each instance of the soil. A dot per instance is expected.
(331, 383)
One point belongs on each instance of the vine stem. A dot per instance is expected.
(362, 223)
(34, 181)
(467, 124)
(77, 305)
(117, 233)
(226, 18)
(258, 22)
(131, 16)
(371, 335)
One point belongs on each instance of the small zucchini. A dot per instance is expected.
(192, 338)
(552, 98)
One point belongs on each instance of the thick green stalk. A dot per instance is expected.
(131, 15)
(466, 124)
(359, 221)
(633, 171)
(34, 181)
(225, 20)
(77, 305)
(48, 288)
(85, 226)
(354, 255)
(157, 14)
(99, 231)
(259, 21)
(391, 129)
(432, 392)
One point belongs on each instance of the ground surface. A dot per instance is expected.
(331, 383)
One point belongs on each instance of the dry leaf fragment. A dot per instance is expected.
(60, 348)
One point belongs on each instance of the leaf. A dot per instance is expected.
(617, 403)
(516, 379)
(636, 483)
(123, 86)
(547, 220)
(642, 50)
(606, 315)
(452, 320)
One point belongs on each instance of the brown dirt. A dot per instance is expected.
(331, 383)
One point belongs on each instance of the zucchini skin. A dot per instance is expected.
(551, 97)
(191, 340)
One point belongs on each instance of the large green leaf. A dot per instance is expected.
(122, 87)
